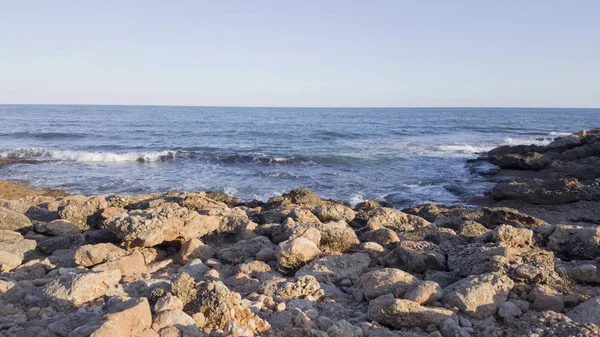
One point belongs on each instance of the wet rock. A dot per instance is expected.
(75, 290)
(479, 295)
(147, 228)
(399, 313)
(333, 268)
(385, 281)
(11, 220)
(295, 253)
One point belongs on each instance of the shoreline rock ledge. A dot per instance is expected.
(205, 264)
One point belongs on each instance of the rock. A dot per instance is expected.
(295, 253)
(399, 313)
(479, 295)
(132, 264)
(303, 215)
(373, 249)
(299, 287)
(131, 318)
(575, 242)
(396, 220)
(147, 228)
(509, 309)
(53, 243)
(75, 290)
(416, 257)
(513, 237)
(179, 319)
(91, 255)
(383, 236)
(298, 197)
(83, 212)
(333, 268)
(194, 249)
(587, 312)
(195, 268)
(344, 329)
(13, 221)
(450, 328)
(244, 250)
(58, 227)
(13, 252)
(222, 310)
(385, 281)
(545, 302)
(470, 230)
(335, 212)
(337, 239)
(168, 302)
(583, 271)
(6, 235)
(425, 292)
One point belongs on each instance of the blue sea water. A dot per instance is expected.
(402, 155)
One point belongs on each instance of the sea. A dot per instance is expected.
(405, 156)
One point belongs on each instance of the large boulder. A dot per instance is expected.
(399, 313)
(334, 268)
(390, 218)
(82, 211)
(385, 281)
(74, 290)
(479, 295)
(12, 252)
(298, 287)
(244, 250)
(293, 254)
(194, 249)
(91, 255)
(131, 318)
(150, 227)
(335, 212)
(513, 237)
(11, 220)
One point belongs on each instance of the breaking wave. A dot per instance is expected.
(84, 156)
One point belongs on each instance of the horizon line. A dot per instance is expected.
(305, 107)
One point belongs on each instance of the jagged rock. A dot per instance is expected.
(479, 295)
(184, 323)
(343, 328)
(199, 201)
(297, 197)
(476, 259)
(386, 280)
(168, 302)
(583, 271)
(222, 310)
(11, 220)
(303, 215)
(91, 255)
(575, 242)
(58, 227)
(132, 264)
(416, 256)
(333, 268)
(75, 290)
(334, 212)
(587, 312)
(299, 287)
(513, 237)
(396, 220)
(295, 253)
(425, 292)
(333, 237)
(470, 230)
(83, 212)
(147, 228)
(244, 250)
(194, 249)
(195, 268)
(509, 309)
(6, 235)
(399, 313)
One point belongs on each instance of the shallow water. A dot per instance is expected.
(402, 155)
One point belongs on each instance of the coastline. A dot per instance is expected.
(195, 263)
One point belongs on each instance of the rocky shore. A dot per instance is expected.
(526, 262)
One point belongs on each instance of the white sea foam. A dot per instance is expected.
(558, 134)
(84, 156)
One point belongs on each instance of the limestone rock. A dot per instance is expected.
(587, 312)
(335, 212)
(343, 328)
(58, 227)
(83, 212)
(513, 237)
(131, 318)
(390, 218)
(75, 290)
(11, 220)
(479, 295)
(385, 281)
(299, 287)
(295, 253)
(399, 313)
(576, 242)
(425, 292)
(333, 268)
(194, 249)
(147, 228)
(416, 256)
(244, 250)
(91, 255)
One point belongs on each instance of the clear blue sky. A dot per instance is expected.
(301, 53)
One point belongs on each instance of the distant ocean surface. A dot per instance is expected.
(403, 155)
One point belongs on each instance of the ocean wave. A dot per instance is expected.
(43, 135)
(260, 158)
(559, 134)
(466, 149)
(84, 156)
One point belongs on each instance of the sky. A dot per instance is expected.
(340, 53)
